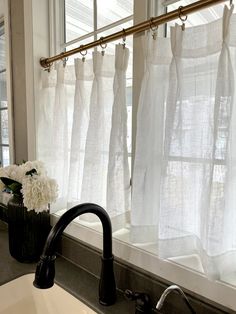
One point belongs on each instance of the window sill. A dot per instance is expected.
(184, 271)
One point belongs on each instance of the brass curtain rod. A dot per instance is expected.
(155, 21)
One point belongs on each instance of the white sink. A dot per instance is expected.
(19, 296)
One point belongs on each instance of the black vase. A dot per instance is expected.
(27, 231)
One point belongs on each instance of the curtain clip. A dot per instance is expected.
(182, 17)
(64, 60)
(103, 46)
(48, 68)
(124, 39)
(154, 28)
(83, 54)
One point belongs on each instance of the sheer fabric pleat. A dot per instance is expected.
(193, 210)
(53, 126)
(94, 181)
(83, 86)
(105, 173)
(44, 114)
(149, 142)
(118, 176)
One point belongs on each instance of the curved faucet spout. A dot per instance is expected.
(168, 291)
(70, 215)
(45, 271)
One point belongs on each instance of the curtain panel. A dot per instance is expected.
(82, 132)
(184, 174)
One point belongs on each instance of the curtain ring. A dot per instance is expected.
(182, 17)
(83, 53)
(154, 28)
(103, 46)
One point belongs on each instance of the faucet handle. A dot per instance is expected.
(142, 301)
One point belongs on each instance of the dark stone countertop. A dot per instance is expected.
(75, 280)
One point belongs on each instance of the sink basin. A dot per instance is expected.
(19, 296)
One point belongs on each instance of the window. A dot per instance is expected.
(83, 18)
(88, 21)
(202, 17)
(4, 136)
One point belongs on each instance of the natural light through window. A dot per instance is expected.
(86, 21)
(4, 136)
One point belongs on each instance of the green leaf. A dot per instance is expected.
(31, 172)
(13, 185)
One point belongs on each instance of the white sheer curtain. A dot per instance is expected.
(53, 130)
(83, 88)
(184, 172)
(149, 142)
(82, 130)
(118, 176)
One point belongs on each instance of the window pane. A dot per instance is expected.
(2, 48)
(113, 10)
(5, 156)
(3, 90)
(4, 126)
(78, 18)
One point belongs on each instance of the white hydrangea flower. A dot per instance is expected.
(38, 192)
(2, 174)
(38, 165)
(12, 172)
